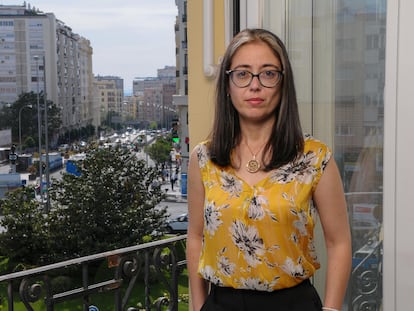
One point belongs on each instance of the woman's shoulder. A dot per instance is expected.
(200, 153)
(317, 148)
(201, 147)
(312, 143)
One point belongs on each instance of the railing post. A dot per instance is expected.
(146, 282)
(85, 282)
(10, 295)
(49, 295)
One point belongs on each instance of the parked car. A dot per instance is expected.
(63, 147)
(178, 224)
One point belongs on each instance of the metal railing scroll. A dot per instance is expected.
(161, 260)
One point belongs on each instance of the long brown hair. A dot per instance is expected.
(286, 141)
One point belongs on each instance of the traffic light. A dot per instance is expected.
(13, 155)
(175, 137)
(174, 132)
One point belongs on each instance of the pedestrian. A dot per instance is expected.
(255, 189)
(173, 179)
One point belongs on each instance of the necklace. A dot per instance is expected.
(253, 166)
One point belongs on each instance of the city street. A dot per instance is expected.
(175, 208)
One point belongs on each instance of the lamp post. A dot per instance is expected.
(20, 127)
(46, 106)
(39, 128)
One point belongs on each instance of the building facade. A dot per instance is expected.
(109, 94)
(39, 53)
(154, 96)
(352, 62)
(181, 96)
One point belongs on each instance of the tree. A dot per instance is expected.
(160, 150)
(112, 204)
(153, 125)
(29, 142)
(25, 236)
(9, 116)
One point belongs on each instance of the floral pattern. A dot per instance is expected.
(256, 210)
(261, 237)
(248, 241)
(230, 184)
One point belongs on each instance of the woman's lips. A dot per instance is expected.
(254, 101)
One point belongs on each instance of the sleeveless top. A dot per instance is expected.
(261, 237)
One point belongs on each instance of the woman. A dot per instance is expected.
(255, 188)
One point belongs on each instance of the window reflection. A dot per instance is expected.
(359, 112)
(337, 50)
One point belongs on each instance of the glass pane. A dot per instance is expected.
(358, 141)
(337, 50)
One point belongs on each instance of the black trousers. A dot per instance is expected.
(302, 297)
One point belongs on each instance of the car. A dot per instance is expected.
(63, 147)
(178, 224)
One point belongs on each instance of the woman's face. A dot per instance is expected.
(255, 102)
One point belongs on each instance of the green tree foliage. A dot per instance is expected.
(153, 125)
(9, 116)
(112, 204)
(160, 150)
(24, 240)
(29, 142)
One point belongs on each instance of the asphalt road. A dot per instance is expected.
(175, 208)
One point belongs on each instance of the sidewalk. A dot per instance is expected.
(174, 195)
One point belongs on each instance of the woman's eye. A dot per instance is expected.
(270, 74)
(242, 74)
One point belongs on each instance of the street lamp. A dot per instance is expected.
(39, 128)
(20, 126)
(46, 106)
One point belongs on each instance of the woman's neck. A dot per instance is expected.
(254, 135)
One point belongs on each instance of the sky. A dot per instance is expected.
(130, 38)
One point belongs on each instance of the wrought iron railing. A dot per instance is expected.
(365, 288)
(162, 258)
(366, 278)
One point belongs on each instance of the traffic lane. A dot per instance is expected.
(175, 209)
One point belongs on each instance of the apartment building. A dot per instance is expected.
(40, 53)
(353, 64)
(109, 94)
(154, 96)
(181, 96)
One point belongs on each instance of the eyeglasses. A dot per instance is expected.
(243, 78)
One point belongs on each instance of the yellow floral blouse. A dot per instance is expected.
(261, 237)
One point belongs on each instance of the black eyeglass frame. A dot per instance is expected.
(253, 75)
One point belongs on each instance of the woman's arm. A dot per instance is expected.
(330, 201)
(198, 286)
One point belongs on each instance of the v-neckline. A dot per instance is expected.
(243, 180)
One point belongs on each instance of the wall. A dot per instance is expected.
(201, 88)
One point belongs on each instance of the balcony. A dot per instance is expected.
(163, 260)
(184, 45)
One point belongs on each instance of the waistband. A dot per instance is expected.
(304, 284)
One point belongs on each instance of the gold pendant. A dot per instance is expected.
(253, 166)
